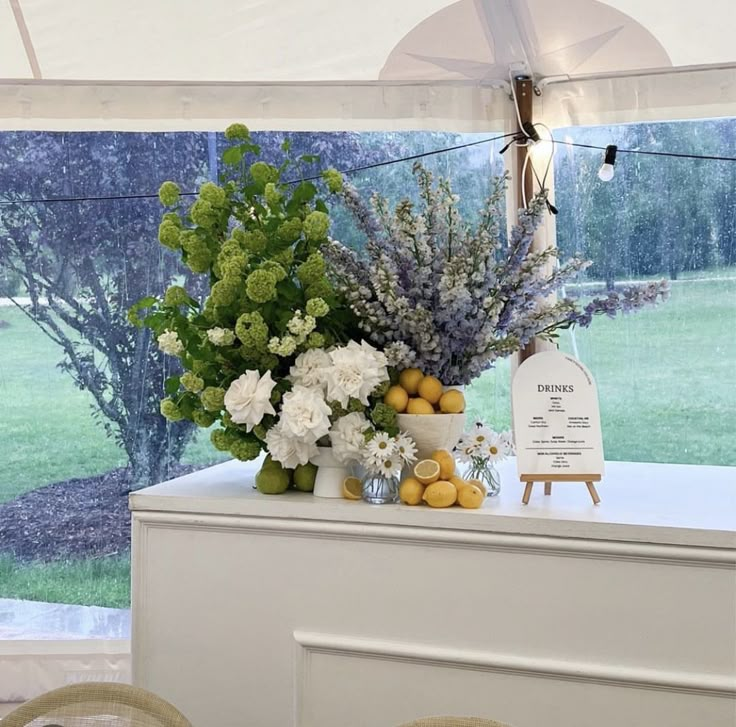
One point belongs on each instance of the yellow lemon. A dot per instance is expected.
(427, 471)
(409, 380)
(446, 462)
(352, 488)
(479, 485)
(452, 402)
(396, 398)
(411, 491)
(470, 497)
(430, 388)
(457, 481)
(419, 406)
(440, 494)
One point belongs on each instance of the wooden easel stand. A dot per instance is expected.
(549, 479)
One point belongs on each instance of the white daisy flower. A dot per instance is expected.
(494, 449)
(405, 448)
(381, 446)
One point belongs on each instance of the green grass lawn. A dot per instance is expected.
(93, 582)
(666, 378)
(46, 431)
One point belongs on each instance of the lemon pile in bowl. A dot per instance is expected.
(419, 394)
(435, 483)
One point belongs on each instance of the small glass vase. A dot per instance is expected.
(380, 490)
(484, 471)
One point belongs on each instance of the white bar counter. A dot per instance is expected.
(292, 610)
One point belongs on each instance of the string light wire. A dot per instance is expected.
(516, 137)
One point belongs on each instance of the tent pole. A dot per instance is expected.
(524, 189)
(521, 189)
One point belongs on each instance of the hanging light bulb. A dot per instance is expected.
(605, 173)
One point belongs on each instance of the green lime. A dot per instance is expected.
(304, 477)
(273, 479)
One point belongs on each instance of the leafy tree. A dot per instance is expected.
(84, 263)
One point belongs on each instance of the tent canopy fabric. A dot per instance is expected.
(180, 64)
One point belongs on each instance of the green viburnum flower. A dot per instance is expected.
(333, 180)
(199, 262)
(175, 295)
(316, 225)
(252, 331)
(320, 289)
(272, 195)
(312, 270)
(203, 419)
(203, 213)
(315, 340)
(337, 409)
(225, 291)
(285, 258)
(200, 367)
(221, 439)
(263, 173)
(169, 235)
(273, 267)
(260, 286)
(317, 307)
(355, 405)
(289, 230)
(209, 311)
(213, 398)
(170, 410)
(282, 346)
(171, 217)
(220, 336)
(245, 448)
(192, 382)
(382, 389)
(168, 194)
(383, 416)
(212, 193)
(237, 132)
(255, 242)
(232, 266)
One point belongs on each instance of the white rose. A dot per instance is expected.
(290, 451)
(304, 414)
(347, 437)
(169, 343)
(248, 398)
(308, 368)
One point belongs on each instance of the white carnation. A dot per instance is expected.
(348, 437)
(304, 414)
(169, 343)
(290, 451)
(308, 369)
(248, 398)
(356, 370)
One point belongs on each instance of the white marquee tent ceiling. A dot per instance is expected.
(181, 64)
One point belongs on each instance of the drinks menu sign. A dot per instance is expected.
(557, 424)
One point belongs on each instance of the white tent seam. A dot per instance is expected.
(25, 36)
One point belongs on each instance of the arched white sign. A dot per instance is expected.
(557, 423)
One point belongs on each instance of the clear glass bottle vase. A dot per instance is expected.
(379, 489)
(483, 470)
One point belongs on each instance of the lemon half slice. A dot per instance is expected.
(352, 489)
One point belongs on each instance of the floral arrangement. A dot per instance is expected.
(449, 298)
(269, 355)
(484, 446)
(386, 455)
